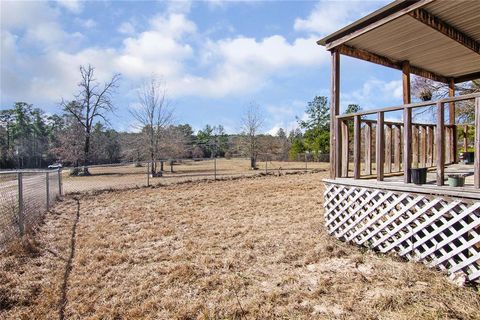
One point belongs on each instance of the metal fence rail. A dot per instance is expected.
(24, 197)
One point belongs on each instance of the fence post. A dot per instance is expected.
(47, 190)
(60, 191)
(21, 218)
(148, 174)
(215, 168)
(306, 168)
(266, 165)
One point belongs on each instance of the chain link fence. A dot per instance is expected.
(24, 198)
(26, 195)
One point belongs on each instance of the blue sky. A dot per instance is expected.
(214, 56)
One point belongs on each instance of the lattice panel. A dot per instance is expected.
(441, 232)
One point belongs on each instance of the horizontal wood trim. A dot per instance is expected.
(386, 62)
(411, 105)
(467, 77)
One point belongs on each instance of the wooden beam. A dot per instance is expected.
(334, 111)
(476, 174)
(467, 77)
(356, 147)
(423, 146)
(441, 26)
(380, 146)
(407, 144)
(368, 149)
(386, 62)
(440, 139)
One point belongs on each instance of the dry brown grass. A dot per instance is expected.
(249, 248)
(128, 176)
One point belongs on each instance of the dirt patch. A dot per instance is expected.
(248, 248)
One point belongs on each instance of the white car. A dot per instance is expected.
(55, 166)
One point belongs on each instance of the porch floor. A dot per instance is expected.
(394, 182)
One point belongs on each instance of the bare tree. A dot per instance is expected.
(251, 124)
(153, 115)
(92, 103)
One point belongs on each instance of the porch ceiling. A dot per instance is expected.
(440, 39)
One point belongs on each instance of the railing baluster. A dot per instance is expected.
(344, 142)
(380, 146)
(368, 148)
(388, 149)
(356, 147)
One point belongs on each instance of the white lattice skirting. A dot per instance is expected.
(440, 232)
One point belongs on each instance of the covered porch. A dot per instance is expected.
(370, 198)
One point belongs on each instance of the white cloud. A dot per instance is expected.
(329, 16)
(374, 93)
(126, 28)
(86, 23)
(74, 6)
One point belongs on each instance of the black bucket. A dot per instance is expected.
(419, 175)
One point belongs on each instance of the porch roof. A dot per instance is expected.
(440, 39)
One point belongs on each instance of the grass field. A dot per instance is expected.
(128, 176)
(252, 248)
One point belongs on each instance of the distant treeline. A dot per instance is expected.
(30, 138)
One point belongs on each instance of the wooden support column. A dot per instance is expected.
(440, 139)
(397, 147)
(407, 144)
(368, 148)
(380, 146)
(388, 149)
(356, 147)
(407, 123)
(334, 111)
(451, 121)
(476, 175)
(345, 147)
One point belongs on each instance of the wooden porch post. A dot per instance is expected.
(407, 123)
(335, 154)
(451, 121)
(477, 144)
(440, 138)
(380, 146)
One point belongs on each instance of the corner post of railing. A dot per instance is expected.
(356, 147)
(407, 144)
(21, 216)
(47, 189)
(380, 146)
(477, 144)
(440, 141)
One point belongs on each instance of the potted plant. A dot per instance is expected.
(456, 180)
(419, 175)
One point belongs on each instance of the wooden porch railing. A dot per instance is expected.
(424, 144)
